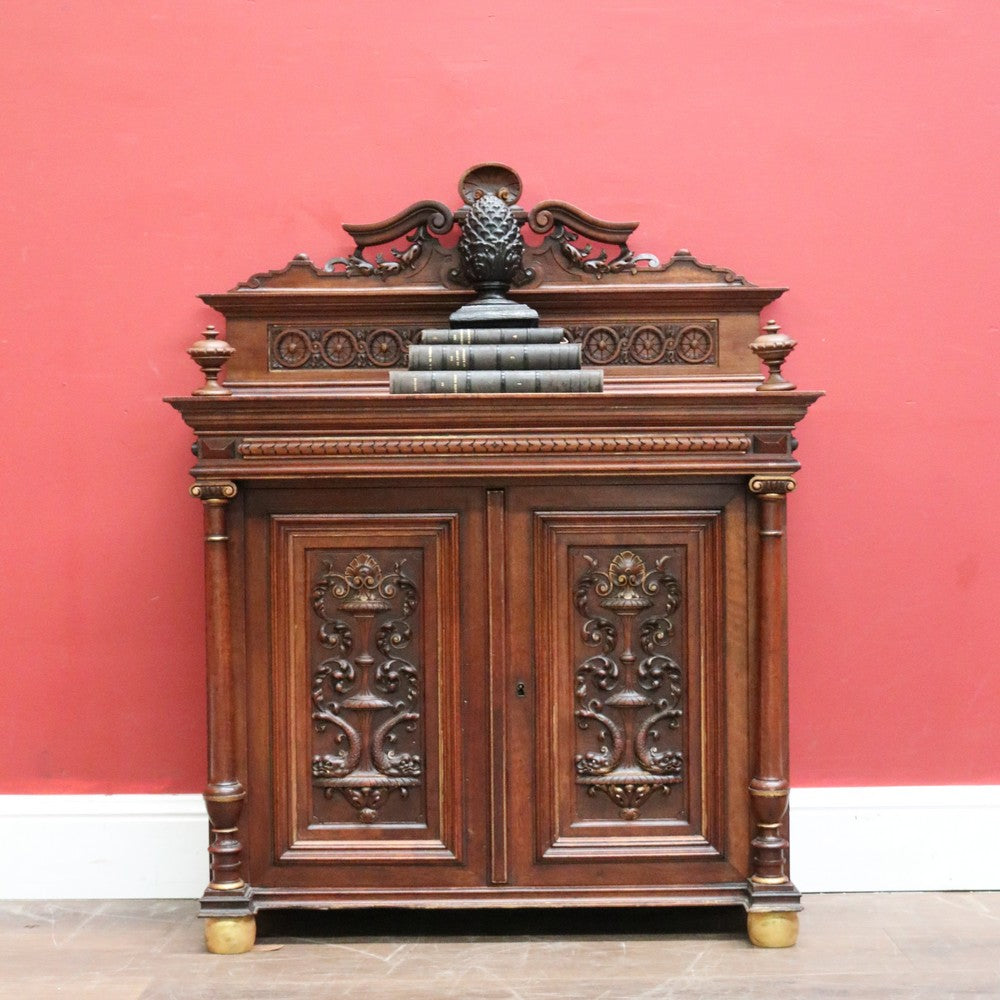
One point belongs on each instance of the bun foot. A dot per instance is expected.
(773, 928)
(230, 935)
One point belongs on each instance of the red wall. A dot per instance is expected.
(846, 148)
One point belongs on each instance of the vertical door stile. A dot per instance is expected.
(496, 556)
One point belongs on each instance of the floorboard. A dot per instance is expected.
(892, 946)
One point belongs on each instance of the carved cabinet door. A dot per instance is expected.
(364, 680)
(626, 693)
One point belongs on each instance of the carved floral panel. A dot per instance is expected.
(362, 670)
(366, 685)
(629, 688)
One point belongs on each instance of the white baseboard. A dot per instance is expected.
(843, 840)
(895, 839)
(103, 846)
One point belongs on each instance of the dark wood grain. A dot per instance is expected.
(769, 785)
(496, 651)
(500, 681)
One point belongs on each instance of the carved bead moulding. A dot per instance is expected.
(407, 248)
(366, 681)
(629, 696)
(322, 447)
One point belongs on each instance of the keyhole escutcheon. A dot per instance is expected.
(520, 690)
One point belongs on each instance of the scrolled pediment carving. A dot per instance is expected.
(406, 248)
(564, 225)
(420, 224)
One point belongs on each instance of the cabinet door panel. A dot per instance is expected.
(365, 687)
(635, 702)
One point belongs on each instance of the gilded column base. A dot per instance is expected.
(230, 935)
(773, 928)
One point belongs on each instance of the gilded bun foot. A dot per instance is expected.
(773, 929)
(230, 935)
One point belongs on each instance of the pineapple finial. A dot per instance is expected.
(491, 246)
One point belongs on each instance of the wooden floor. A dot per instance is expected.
(887, 946)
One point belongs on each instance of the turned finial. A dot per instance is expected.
(211, 354)
(772, 347)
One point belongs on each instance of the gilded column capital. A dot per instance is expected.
(215, 492)
(771, 486)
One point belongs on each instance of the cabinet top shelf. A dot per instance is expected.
(269, 434)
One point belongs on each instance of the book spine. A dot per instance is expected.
(543, 335)
(493, 357)
(589, 380)
(409, 382)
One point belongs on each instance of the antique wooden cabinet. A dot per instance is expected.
(506, 649)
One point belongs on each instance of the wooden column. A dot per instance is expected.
(769, 784)
(224, 794)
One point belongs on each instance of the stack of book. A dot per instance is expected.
(525, 358)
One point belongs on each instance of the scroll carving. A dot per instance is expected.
(401, 249)
(366, 693)
(628, 705)
(214, 491)
(771, 486)
(567, 225)
(420, 224)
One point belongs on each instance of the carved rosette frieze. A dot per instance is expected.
(322, 347)
(366, 693)
(694, 342)
(293, 347)
(628, 700)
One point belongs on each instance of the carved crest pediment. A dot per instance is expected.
(562, 244)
